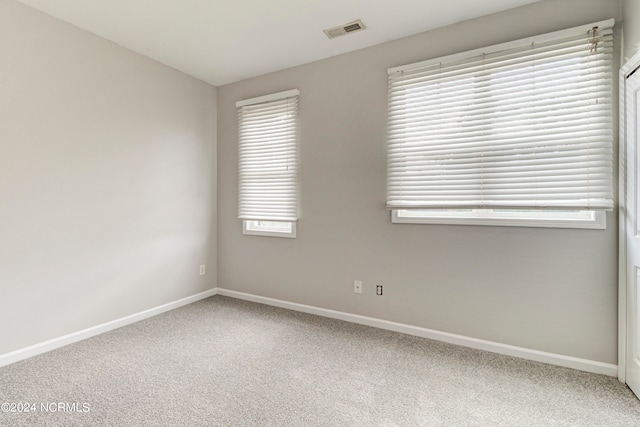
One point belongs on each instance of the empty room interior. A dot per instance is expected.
(218, 213)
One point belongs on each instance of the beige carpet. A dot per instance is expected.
(225, 362)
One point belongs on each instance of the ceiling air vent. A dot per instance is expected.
(351, 27)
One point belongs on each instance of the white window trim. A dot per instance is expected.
(250, 217)
(251, 230)
(594, 220)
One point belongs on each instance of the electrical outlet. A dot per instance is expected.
(357, 286)
(379, 290)
(202, 270)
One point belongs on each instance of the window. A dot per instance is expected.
(268, 164)
(515, 134)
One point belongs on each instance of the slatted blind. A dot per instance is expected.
(523, 125)
(268, 134)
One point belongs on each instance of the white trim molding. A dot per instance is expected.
(594, 220)
(494, 347)
(36, 349)
(625, 71)
(509, 350)
(255, 228)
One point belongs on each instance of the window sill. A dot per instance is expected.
(595, 220)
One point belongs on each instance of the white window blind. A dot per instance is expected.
(523, 125)
(268, 134)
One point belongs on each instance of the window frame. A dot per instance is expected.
(593, 220)
(251, 225)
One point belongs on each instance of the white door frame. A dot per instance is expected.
(626, 70)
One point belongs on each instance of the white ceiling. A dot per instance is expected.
(222, 41)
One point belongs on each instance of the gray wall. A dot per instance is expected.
(631, 10)
(107, 180)
(553, 290)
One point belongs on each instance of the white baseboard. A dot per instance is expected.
(509, 350)
(34, 350)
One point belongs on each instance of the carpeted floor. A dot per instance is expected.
(226, 362)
